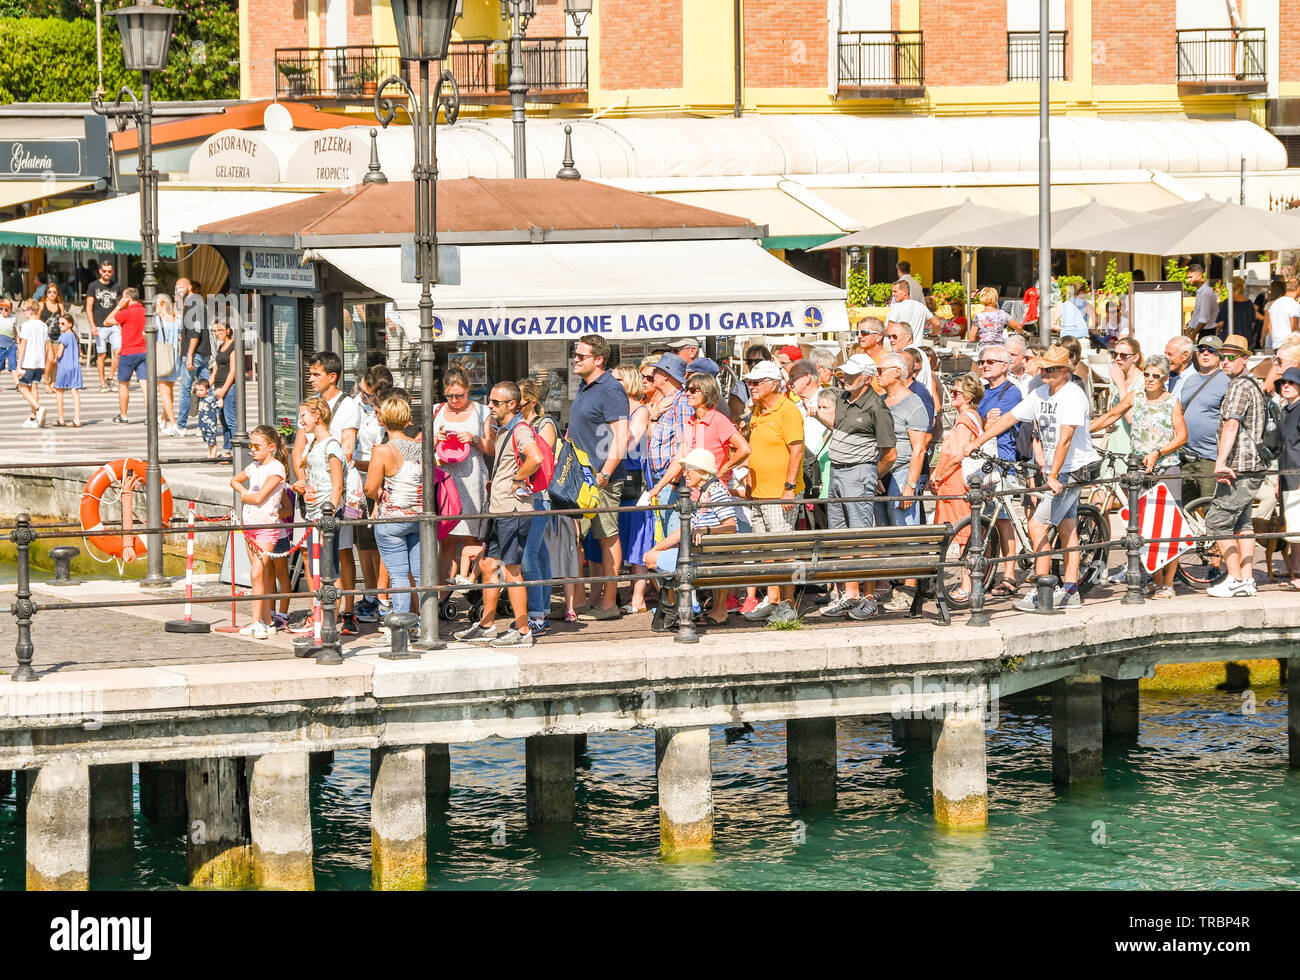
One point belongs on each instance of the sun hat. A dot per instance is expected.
(673, 366)
(702, 460)
(1292, 375)
(452, 448)
(1054, 357)
(764, 371)
(1237, 343)
(680, 342)
(704, 365)
(858, 364)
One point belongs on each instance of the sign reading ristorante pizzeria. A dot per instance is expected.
(235, 158)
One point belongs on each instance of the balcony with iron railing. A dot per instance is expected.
(1022, 56)
(881, 64)
(1222, 61)
(555, 69)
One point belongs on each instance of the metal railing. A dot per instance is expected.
(1222, 55)
(327, 649)
(881, 59)
(553, 67)
(1022, 56)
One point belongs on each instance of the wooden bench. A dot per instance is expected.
(867, 554)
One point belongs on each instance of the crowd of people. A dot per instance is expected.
(765, 455)
(41, 348)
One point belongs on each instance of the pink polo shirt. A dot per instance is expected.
(713, 433)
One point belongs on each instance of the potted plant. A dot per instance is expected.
(368, 76)
(867, 298)
(295, 74)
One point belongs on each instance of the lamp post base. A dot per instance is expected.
(157, 582)
(427, 645)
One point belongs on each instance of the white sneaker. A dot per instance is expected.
(260, 631)
(249, 630)
(40, 416)
(1231, 587)
(29, 423)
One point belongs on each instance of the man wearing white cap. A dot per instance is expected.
(863, 448)
(775, 470)
(715, 516)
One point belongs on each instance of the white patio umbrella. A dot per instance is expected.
(1203, 228)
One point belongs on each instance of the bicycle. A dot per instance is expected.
(1094, 534)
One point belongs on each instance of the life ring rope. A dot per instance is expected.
(106, 484)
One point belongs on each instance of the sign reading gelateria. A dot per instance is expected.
(275, 268)
(40, 158)
(235, 157)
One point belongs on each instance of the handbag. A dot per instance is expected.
(573, 487)
(165, 354)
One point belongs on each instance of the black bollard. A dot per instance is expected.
(63, 556)
(329, 651)
(1134, 479)
(1046, 585)
(399, 627)
(976, 560)
(23, 608)
(685, 574)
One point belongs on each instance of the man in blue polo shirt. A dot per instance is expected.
(598, 426)
(1001, 395)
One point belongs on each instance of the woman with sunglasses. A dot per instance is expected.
(1126, 377)
(947, 478)
(651, 395)
(464, 440)
(635, 530)
(1158, 430)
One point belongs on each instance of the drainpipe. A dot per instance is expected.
(738, 13)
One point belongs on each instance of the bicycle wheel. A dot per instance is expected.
(1200, 566)
(950, 577)
(1094, 539)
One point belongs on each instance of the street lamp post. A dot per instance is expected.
(1044, 176)
(423, 34)
(146, 32)
(578, 11)
(519, 13)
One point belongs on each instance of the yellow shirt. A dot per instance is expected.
(770, 435)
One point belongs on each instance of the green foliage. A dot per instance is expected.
(49, 50)
(1116, 283)
(1064, 282)
(785, 624)
(864, 292)
(950, 292)
(1178, 273)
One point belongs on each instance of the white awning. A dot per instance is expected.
(113, 226)
(625, 290)
(21, 191)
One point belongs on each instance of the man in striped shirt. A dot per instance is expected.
(669, 421)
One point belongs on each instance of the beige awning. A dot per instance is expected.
(21, 191)
(790, 224)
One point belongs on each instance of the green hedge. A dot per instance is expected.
(51, 60)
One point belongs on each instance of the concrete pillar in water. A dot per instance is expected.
(1293, 712)
(685, 790)
(216, 792)
(112, 808)
(1076, 729)
(959, 772)
(550, 778)
(162, 790)
(398, 818)
(810, 761)
(58, 828)
(279, 816)
(580, 744)
(437, 775)
(1119, 708)
(914, 732)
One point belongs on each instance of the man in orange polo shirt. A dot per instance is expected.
(775, 471)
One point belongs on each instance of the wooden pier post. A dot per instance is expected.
(1076, 729)
(112, 808)
(959, 772)
(810, 757)
(216, 793)
(398, 815)
(279, 812)
(1119, 708)
(58, 828)
(549, 778)
(685, 778)
(162, 790)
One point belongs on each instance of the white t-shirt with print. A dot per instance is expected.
(1069, 406)
(1279, 319)
(268, 511)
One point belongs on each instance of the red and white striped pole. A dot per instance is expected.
(316, 611)
(187, 625)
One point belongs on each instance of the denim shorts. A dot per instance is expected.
(108, 337)
(1053, 508)
(8, 354)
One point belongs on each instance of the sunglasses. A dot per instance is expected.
(1124, 357)
(1156, 376)
(461, 394)
(581, 357)
(648, 378)
(1231, 357)
(994, 360)
(1206, 350)
(494, 402)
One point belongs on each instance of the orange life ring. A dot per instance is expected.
(114, 472)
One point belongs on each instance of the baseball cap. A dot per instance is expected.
(679, 342)
(704, 365)
(1237, 343)
(858, 364)
(764, 371)
(1211, 341)
(791, 351)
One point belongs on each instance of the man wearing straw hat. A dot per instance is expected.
(1060, 411)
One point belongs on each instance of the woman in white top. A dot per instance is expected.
(394, 478)
(464, 439)
(264, 479)
(169, 332)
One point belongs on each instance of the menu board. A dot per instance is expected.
(1156, 313)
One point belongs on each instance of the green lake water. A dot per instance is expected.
(1202, 800)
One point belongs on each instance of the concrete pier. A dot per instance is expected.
(549, 778)
(437, 775)
(112, 808)
(162, 790)
(685, 777)
(914, 732)
(398, 815)
(216, 793)
(1076, 729)
(960, 774)
(279, 811)
(1293, 713)
(322, 762)
(58, 828)
(1119, 708)
(810, 761)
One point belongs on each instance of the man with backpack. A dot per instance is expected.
(510, 500)
(1244, 417)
